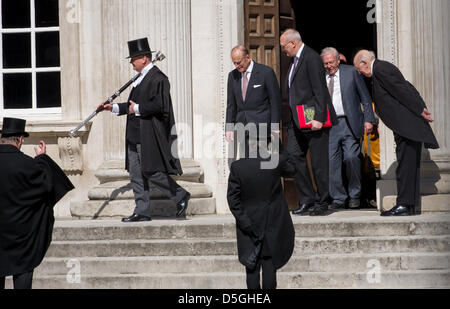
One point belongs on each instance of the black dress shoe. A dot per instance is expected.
(182, 206)
(136, 218)
(336, 206)
(320, 211)
(354, 203)
(302, 210)
(399, 210)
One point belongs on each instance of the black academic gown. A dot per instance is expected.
(256, 199)
(29, 189)
(158, 136)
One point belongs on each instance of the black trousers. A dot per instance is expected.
(21, 281)
(269, 275)
(299, 142)
(408, 171)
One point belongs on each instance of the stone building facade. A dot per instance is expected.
(196, 36)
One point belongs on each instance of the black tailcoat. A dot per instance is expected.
(158, 136)
(29, 189)
(256, 199)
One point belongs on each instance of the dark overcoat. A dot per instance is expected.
(400, 105)
(158, 135)
(29, 189)
(256, 199)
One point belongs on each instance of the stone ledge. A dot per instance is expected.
(430, 203)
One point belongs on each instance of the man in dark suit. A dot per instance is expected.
(306, 86)
(348, 91)
(256, 199)
(253, 99)
(150, 135)
(29, 189)
(402, 110)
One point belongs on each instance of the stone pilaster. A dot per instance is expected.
(422, 42)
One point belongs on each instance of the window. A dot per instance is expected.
(30, 79)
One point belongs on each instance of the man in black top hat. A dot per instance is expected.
(150, 134)
(29, 189)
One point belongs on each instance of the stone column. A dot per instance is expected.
(167, 25)
(421, 41)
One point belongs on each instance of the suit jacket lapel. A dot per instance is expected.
(299, 63)
(342, 80)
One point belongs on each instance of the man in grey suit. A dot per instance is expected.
(253, 98)
(347, 91)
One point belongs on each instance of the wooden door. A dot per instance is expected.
(262, 34)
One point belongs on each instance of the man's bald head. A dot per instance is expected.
(363, 62)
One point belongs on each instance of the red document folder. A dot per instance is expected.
(306, 114)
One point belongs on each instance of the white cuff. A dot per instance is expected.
(115, 109)
(136, 110)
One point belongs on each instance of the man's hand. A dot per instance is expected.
(316, 125)
(426, 115)
(368, 127)
(104, 106)
(229, 136)
(131, 107)
(41, 149)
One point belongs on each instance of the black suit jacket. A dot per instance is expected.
(256, 199)
(354, 93)
(400, 105)
(309, 87)
(29, 189)
(263, 99)
(156, 124)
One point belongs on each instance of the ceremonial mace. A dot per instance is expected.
(158, 57)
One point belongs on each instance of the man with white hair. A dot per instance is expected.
(348, 91)
(402, 110)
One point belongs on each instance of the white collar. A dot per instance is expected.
(143, 73)
(299, 53)
(371, 67)
(250, 67)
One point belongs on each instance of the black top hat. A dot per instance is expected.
(13, 127)
(139, 47)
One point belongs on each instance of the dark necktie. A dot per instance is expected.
(293, 71)
(331, 87)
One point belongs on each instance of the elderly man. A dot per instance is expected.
(347, 90)
(402, 109)
(253, 98)
(306, 87)
(29, 189)
(150, 135)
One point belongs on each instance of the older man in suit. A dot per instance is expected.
(306, 87)
(402, 110)
(348, 91)
(253, 99)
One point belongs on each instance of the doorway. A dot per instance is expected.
(340, 24)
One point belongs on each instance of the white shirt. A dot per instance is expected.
(138, 81)
(249, 73)
(337, 96)
(299, 53)
(371, 67)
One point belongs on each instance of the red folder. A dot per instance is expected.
(306, 114)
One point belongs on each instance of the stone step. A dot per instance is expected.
(236, 280)
(224, 263)
(224, 226)
(121, 190)
(114, 170)
(117, 209)
(215, 246)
